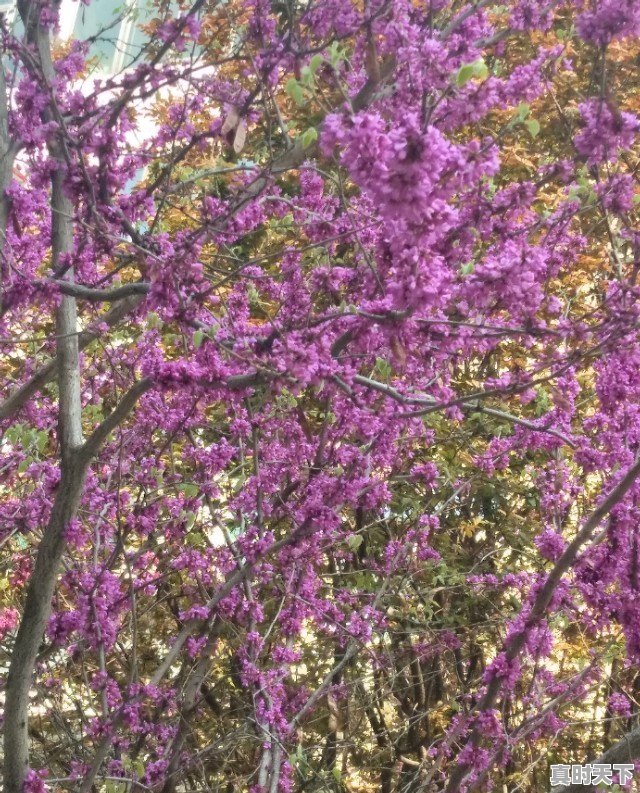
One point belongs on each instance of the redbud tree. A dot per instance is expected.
(320, 368)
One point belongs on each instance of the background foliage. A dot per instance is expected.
(318, 474)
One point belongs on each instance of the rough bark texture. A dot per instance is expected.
(36, 613)
(7, 156)
(73, 469)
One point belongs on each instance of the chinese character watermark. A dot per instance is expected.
(591, 774)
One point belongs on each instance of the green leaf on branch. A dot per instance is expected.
(469, 71)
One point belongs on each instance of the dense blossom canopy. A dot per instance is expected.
(320, 403)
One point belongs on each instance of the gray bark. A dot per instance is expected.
(73, 470)
(34, 620)
(8, 151)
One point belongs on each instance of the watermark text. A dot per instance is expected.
(592, 774)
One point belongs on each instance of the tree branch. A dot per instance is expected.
(102, 295)
(394, 394)
(114, 419)
(73, 472)
(45, 373)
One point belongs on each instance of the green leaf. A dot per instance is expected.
(336, 54)
(153, 320)
(478, 69)
(306, 77)
(308, 137)
(565, 34)
(253, 295)
(189, 489)
(315, 63)
(116, 786)
(355, 541)
(533, 125)
(574, 194)
(382, 368)
(295, 91)
(465, 73)
(198, 338)
(194, 539)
